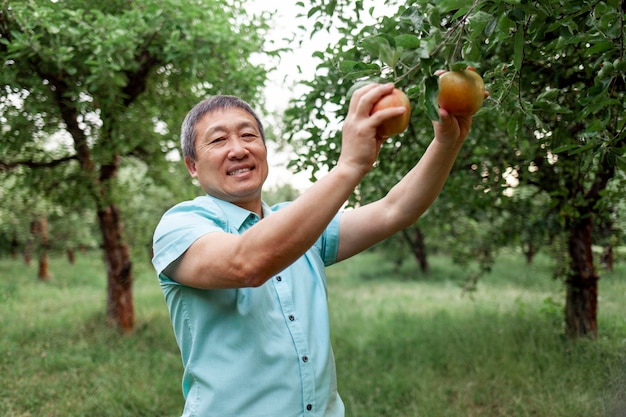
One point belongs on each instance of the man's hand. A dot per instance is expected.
(452, 130)
(360, 146)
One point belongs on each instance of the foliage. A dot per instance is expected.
(280, 193)
(67, 227)
(88, 88)
(133, 69)
(549, 138)
(144, 200)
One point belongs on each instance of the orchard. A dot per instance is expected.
(543, 167)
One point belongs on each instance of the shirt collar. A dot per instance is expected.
(236, 215)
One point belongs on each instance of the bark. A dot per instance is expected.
(120, 309)
(28, 251)
(71, 255)
(581, 306)
(418, 247)
(608, 258)
(529, 252)
(44, 244)
(14, 248)
(419, 250)
(39, 241)
(44, 270)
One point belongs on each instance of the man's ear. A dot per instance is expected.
(191, 166)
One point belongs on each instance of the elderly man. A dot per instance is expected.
(245, 283)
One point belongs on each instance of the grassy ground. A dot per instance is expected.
(405, 345)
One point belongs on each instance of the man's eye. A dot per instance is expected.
(217, 140)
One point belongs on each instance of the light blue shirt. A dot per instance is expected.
(250, 352)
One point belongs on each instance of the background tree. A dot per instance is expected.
(280, 193)
(554, 122)
(87, 86)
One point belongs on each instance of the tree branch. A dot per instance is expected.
(7, 166)
(137, 79)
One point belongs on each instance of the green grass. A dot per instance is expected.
(405, 345)
(420, 347)
(60, 358)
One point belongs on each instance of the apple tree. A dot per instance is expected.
(87, 86)
(551, 134)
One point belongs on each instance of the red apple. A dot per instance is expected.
(461, 93)
(397, 124)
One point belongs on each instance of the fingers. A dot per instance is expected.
(365, 97)
(358, 94)
(451, 129)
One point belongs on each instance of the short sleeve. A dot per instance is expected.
(182, 225)
(329, 241)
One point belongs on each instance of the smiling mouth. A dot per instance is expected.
(239, 171)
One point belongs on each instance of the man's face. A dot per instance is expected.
(231, 157)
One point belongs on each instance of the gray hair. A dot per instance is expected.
(188, 130)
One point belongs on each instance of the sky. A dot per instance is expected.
(293, 67)
(282, 83)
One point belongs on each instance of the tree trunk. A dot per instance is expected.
(529, 252)
(120, 310)
(418, 247)
(39, 232)
(71, 255)
(581, 306)
(419, 250)
(44, 270)
(14, 247)
(44, 244)
(28, 251)
(608, 258)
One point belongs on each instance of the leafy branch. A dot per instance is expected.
(8, 166)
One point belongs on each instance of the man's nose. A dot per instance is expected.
(237, 148)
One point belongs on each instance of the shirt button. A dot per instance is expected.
(291, 317)
(279, 278)
(305, 358)
(309, 407)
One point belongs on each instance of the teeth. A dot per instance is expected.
(239, 171)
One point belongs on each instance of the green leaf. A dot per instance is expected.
(357, 70)
(565, 148)
(599, 47)
(390, 56)
(446, 6)
(358, 85)
(518, 48)
(408, 41)
(458, 66)
(347, 65)
(373, 44)
(621, 162)
(472, 51)
(582, 148)
(517, 15)
(551, 107)
(549, 94)
(431, 92)
(478, 22)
